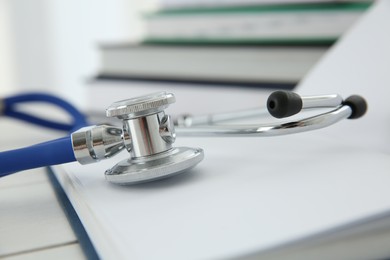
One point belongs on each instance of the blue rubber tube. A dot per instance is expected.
(49, 153)
(11, 110)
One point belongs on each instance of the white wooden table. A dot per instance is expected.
(32, 223)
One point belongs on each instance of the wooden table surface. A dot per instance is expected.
(32, 223)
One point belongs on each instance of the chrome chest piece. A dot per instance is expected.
(148, 135)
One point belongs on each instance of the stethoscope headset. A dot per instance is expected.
(148, 133)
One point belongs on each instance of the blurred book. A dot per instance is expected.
(293, 22)
(176, 4)
(191, 98)
(223, 64)
(274, 53)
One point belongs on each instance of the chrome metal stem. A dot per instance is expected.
(148, 135)
(94, 143)
(145, 136)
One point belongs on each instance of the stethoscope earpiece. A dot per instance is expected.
(358, 105)
(282, 104)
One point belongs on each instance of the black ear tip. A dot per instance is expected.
(282, 104)
(358, 105)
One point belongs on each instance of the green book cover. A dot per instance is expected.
(275, 8)
(250, 10)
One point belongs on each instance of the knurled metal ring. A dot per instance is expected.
(140, 106)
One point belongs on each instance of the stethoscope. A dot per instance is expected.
(148, 133)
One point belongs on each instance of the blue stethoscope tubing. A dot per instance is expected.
(48, 153)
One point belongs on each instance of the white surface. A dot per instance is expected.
(30, 210)
(72, 251)
(7, 77)
(252, 194)
(246, 195)
(360, 64)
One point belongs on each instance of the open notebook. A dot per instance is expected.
(250, 195)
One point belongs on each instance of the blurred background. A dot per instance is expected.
(64, 47)
(53, 45)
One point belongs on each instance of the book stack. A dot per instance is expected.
(226, 49)
(294, 22)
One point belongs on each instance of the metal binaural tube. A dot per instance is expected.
(307, 124)
(321, 101)
(211, 119)
(306, 102)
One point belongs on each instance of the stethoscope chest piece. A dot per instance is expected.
(148, 135)
(137, 170)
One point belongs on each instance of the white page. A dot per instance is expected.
(248, 194)
(360, 64)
